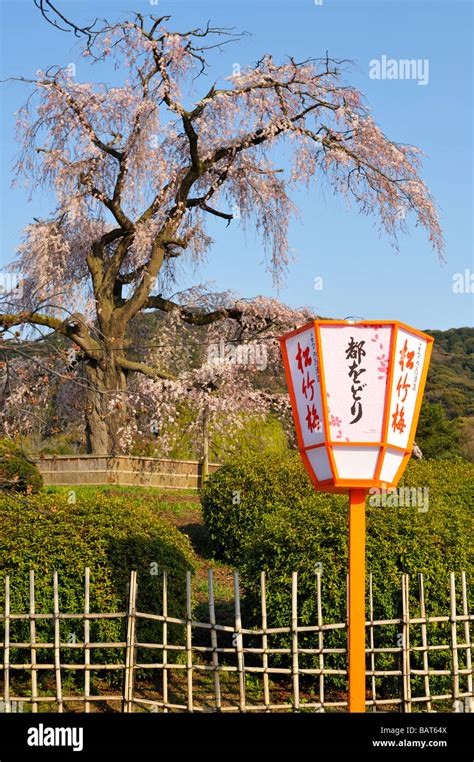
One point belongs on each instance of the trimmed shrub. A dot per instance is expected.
(237, 497)
(111, 536)
(17, 472)
(286, 526)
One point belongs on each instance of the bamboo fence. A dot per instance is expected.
(239, 676)
(125, 470)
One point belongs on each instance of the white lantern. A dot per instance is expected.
(356, 392)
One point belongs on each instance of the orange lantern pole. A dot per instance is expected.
(356, 635)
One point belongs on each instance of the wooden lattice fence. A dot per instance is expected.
(206, 665)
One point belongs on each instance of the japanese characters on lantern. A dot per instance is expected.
(408, 364)
(304, 369)
(354, 353)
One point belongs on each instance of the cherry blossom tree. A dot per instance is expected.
(139, 168)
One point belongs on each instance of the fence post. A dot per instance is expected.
(34, 674)
(57, 644)
(424, 640)
(212, 622)
(263, 596)
(189, 641)
(87, 653)
(454, 638)
(320, 639)
(165, 641)
(294, 640)
(467, 640)
(130, 644)
(239, 643)
(6, 647)
(372, 642)
(406, 684)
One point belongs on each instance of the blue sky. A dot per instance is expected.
(360, 271)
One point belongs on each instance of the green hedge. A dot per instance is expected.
(282, 525)
(17, 472)
(244, 490)
(111, 536)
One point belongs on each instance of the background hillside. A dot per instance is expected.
(450, 389)
(451, 375)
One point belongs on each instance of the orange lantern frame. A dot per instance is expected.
(337, 483)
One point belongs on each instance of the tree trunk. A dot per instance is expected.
(106, 407)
